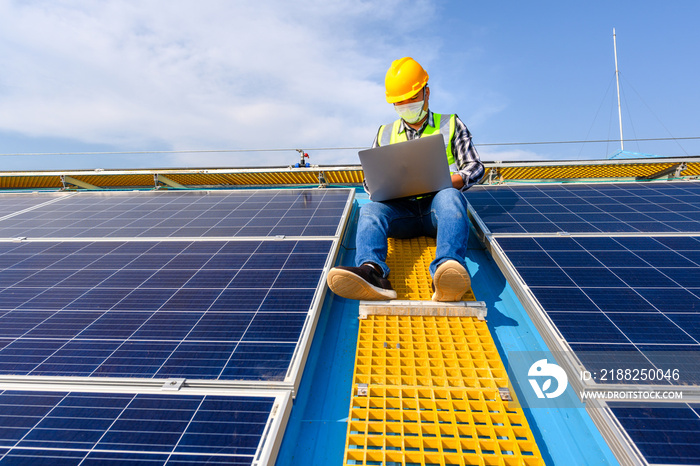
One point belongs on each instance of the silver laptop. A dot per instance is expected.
(406, 169)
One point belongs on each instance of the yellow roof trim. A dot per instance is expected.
(496, 172)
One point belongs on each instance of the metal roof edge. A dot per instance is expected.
(549, 163)
(345, 175)
(316, 168)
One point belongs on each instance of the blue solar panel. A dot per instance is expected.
(591, 208)
(665, 433)
(12, 203)
(632, 295)
(241, 213)
(209, 309)
(97, 428)
(196, 306)
(625, 299)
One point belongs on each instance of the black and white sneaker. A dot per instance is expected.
(360, 283)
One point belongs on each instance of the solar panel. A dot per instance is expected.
(588, 208)
(611, 276)
(665, 433)
(207, 310)
(618, 294)
(103, 428)
(191, 214)
(12, 203)
(215, 286)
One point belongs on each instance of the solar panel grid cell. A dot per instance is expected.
(664, 433)
(667, 207)
(190, 214)
(616, 292)
(11, 204)
(195, 309)
(158, 299)
(58, 428)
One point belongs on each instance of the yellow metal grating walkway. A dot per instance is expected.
(409, 260)
(424, 351)
(425, 389)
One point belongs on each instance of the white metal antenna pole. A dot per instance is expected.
(617, 77)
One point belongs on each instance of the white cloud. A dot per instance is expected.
(200, 75)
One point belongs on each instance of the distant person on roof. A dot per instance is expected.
(442, 215)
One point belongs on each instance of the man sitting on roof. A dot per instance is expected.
(442, 215)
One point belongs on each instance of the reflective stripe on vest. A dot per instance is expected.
(444, 124)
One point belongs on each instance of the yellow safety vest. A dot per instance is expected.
(444, 124)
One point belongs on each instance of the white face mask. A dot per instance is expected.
(411, 113)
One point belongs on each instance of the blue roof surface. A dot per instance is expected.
(317, 427)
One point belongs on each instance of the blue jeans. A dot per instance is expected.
(442, 216)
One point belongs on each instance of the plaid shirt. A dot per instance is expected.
(467, 159)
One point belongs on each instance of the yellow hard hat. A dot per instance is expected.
(404, 79)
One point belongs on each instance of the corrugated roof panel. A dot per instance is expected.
(30, 182)
(692, 170)
(344, 176)
(583, 171)
(113, 181)
(200, 179)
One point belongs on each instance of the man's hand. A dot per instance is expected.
(457, 181)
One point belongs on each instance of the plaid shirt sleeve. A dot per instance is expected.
(467, 159)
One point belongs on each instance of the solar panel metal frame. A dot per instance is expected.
(622, 446)
(271, 437)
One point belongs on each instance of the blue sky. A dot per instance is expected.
(174, 75)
